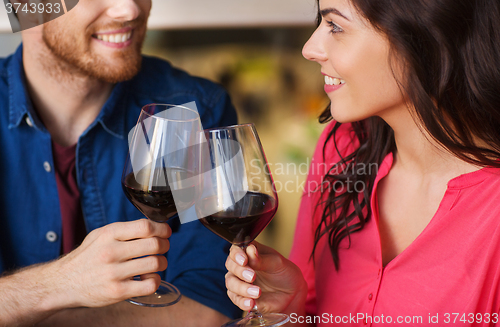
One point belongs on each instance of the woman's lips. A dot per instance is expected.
(332, 83)
(332, 88)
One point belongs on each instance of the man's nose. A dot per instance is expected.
(124, 10)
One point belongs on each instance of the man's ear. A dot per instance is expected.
(25, 19)
(31, 13)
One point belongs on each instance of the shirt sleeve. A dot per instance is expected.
(220, 112)
(309, 210)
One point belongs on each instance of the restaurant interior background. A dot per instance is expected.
(253, 49)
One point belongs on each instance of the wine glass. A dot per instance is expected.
(239, 198)
(161, 174)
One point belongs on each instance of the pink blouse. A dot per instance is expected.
(448, 276)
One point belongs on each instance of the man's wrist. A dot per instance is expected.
(60, 288)
(30, 295)
(47, 287)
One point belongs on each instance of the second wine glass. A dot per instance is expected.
(239, 198)
(161, 175)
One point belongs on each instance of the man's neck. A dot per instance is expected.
(66, 102)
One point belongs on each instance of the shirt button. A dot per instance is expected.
(47, 167)
(370, 296)
(51, 236)
(29, 121)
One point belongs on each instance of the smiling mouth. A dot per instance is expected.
(333, 80)
(114, 38)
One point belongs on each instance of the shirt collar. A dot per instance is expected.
(19, 101)
(111, 116)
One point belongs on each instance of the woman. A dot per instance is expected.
(414, 90)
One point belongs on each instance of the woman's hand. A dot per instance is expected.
(263, 277)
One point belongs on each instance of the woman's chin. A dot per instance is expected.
(344, 116)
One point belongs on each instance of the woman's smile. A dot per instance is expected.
(333, 83)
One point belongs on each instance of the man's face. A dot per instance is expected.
(101, 38)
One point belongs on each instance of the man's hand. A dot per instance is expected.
(100, 271)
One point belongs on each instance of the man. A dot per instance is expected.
(68, 98)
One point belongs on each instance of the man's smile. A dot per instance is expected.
(117, 36)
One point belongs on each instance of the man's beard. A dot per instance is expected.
(76, 55)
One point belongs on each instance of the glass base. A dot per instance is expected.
(265, 320)
(167, 294)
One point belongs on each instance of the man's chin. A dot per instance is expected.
(115, 73)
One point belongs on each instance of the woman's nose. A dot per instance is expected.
(313, 49)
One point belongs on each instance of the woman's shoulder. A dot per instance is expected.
(337, 140)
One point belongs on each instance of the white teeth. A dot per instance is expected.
(333, 80)
(115, 38)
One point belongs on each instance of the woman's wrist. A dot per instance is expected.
(298, 304)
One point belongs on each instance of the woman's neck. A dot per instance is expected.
(419, 154)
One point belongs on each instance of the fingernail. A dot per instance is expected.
(254, 291)
(240, 259)
(255, 251)
(248, 275)
(247, 303)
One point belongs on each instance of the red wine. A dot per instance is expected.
(157, 202)
(241, 223)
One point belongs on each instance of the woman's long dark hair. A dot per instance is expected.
(450, 50)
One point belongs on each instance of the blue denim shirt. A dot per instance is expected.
(30, 217)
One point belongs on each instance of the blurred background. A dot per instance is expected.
(253, 49)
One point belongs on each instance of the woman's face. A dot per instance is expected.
(354, 60)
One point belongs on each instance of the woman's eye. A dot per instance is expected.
(334, 27)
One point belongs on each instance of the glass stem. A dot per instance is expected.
(254, 313)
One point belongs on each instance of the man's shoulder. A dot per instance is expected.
(159, 79)
(4, 64)
(4, 82)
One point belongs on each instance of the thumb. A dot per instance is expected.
(263, 258)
